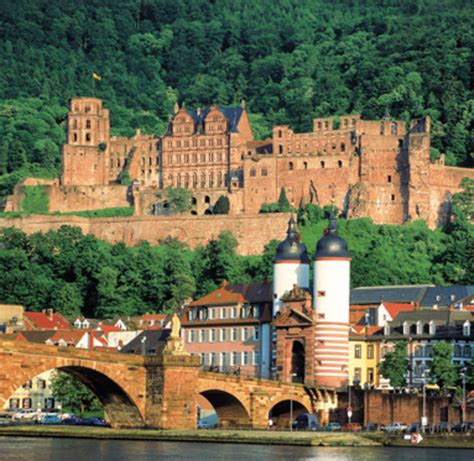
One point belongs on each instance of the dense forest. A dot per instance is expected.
(290, 60)
(75, 273)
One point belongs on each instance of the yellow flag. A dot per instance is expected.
(96, 76)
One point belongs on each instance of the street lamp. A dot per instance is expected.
(424, 419)
(463, 376)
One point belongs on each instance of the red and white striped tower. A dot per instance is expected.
(331, 308)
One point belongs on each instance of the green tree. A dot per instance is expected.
(67, 299)
(395, 365)
(74, 395)
(222, 205)
(442, 369)
(179, 199)
(283, 203)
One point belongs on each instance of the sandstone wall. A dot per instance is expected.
(251, 231)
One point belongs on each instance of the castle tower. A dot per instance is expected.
(331, 308)
(290, 265)
(86, 154)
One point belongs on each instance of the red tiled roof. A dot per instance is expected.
(394, 308)
(156, 317)
(361, 329)
(237, 294)
(70, 337)
(108, 328)
(41, 321)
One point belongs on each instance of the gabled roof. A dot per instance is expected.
(397, 294)
(366, 331)
(155, 340)
(394, 308)
(252, 293)
(44, 321)
(35, 336)
(290, 316)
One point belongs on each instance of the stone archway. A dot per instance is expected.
(230, 410)
(297, 362)
(284, 412)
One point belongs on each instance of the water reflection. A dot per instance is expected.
(25, 449)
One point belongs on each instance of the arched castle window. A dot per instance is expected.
(323, 164)
(74, 137)
(74, 125)
(305, 165)
(343, 146)
(264, 172)
(219, 179)
(203, 158)
(203, 180)
(186, 181)
(118, 162)
(88, 124)
(178, 180)
(195, 158)
(382, 128)
(280, 134)
(170, 179)
(195, 180)
(252, 172)
(211, 157)
(211, 179)
(339, 163)
(280, 149)
(88, 137)
(290, 166)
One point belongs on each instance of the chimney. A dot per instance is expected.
(49, 313)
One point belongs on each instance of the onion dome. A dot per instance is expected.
(292, 249)
(331, 245)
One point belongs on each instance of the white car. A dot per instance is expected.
(30, 415)
(395, 428)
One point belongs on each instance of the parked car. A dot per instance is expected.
(93, 422)
(331, 427)
(51, 418)
(395, 428)
(373, 427)
(27, 415)
(71, 420)
(352, 427)
(467, 426)
(306, 421)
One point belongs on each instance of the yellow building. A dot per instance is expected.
(364, 356)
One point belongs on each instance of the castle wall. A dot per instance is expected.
(252, 232)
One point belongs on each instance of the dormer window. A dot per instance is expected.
(432, 328)
(438, 298)
(466, 328)
(452, 297)
(419, 328)
(406, 328)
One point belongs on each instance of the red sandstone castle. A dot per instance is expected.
(377, 169)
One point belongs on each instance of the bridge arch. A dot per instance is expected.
(118, 395)
(284, 412)
(231, 412)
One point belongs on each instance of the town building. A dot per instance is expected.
(368, 168)
(47, 319)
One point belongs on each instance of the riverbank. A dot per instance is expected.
(344, 439)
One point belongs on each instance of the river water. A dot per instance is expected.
(44, 449)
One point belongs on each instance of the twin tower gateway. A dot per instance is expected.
(312, 332)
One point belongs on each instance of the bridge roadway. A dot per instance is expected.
(159, 391)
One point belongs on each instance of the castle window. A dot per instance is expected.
(320, 125)
(400, 143)
(111, 163)
(326, 124)
(389, 178)
(203, 142)
(280, 134)
(186, 143)
(357, 351)
(170, 179)
(149, 171)
(264, 172)
(211, 179)
(323, 164)
(219, 179)
(74, 125)
(211, 142)
(394, 128)
(203, 158)
(346, 123)
(353, 122)
(280, 149)
(87, 109)
(178, 159)
(186, 181)
(290, 166)
(219, 127)
(150, 161)
(170, 143)
(170, 159)
(195, 180)
(118, 162)
(74, 137)
(339, 163)
(382, 128)
(343, 146)
(186, 158)
(211, 157)
(219, 157)
(195, 143)
(219, 142)
(88, 137)
(203, 180)
(305, 165)
(195, 158)
(393, 197)
(178, 143)
(88, 124)
(253, 172)
(178, 180)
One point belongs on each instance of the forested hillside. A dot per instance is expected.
(290, 59)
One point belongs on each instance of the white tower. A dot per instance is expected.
(331, 308)
(290, 265)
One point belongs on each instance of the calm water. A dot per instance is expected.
(25, 449)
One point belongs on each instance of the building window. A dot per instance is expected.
(252, 172)
(223, 334)
(14, 403)
(290, 166)
(202, 336)
(256, 333)
(280, 149)
(245, 333)
(280, 134)
(357, 375)
(27, 385)
(323, 164)
(370, 375)
(357, 351)
(392, 197)
(343, 146)
(264, 172)
(41, 383)
(245, 358)
(389, 178)
(26, 404)
(212, 335)
(394, 128)
(234, 358)
(406, 328)
(234, 312)
(466, 328)
(74, 137)
(467, 351)
(384, 351)
(211, 314)
(49, 403)
(382, 128)
(305, 165)
(234, 334)
(256, 358)
(224, 313)
(191, 336)
(370, 352)
(88, 137)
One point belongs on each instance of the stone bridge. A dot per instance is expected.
(161, 391)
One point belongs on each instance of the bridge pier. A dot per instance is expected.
(171, 391)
